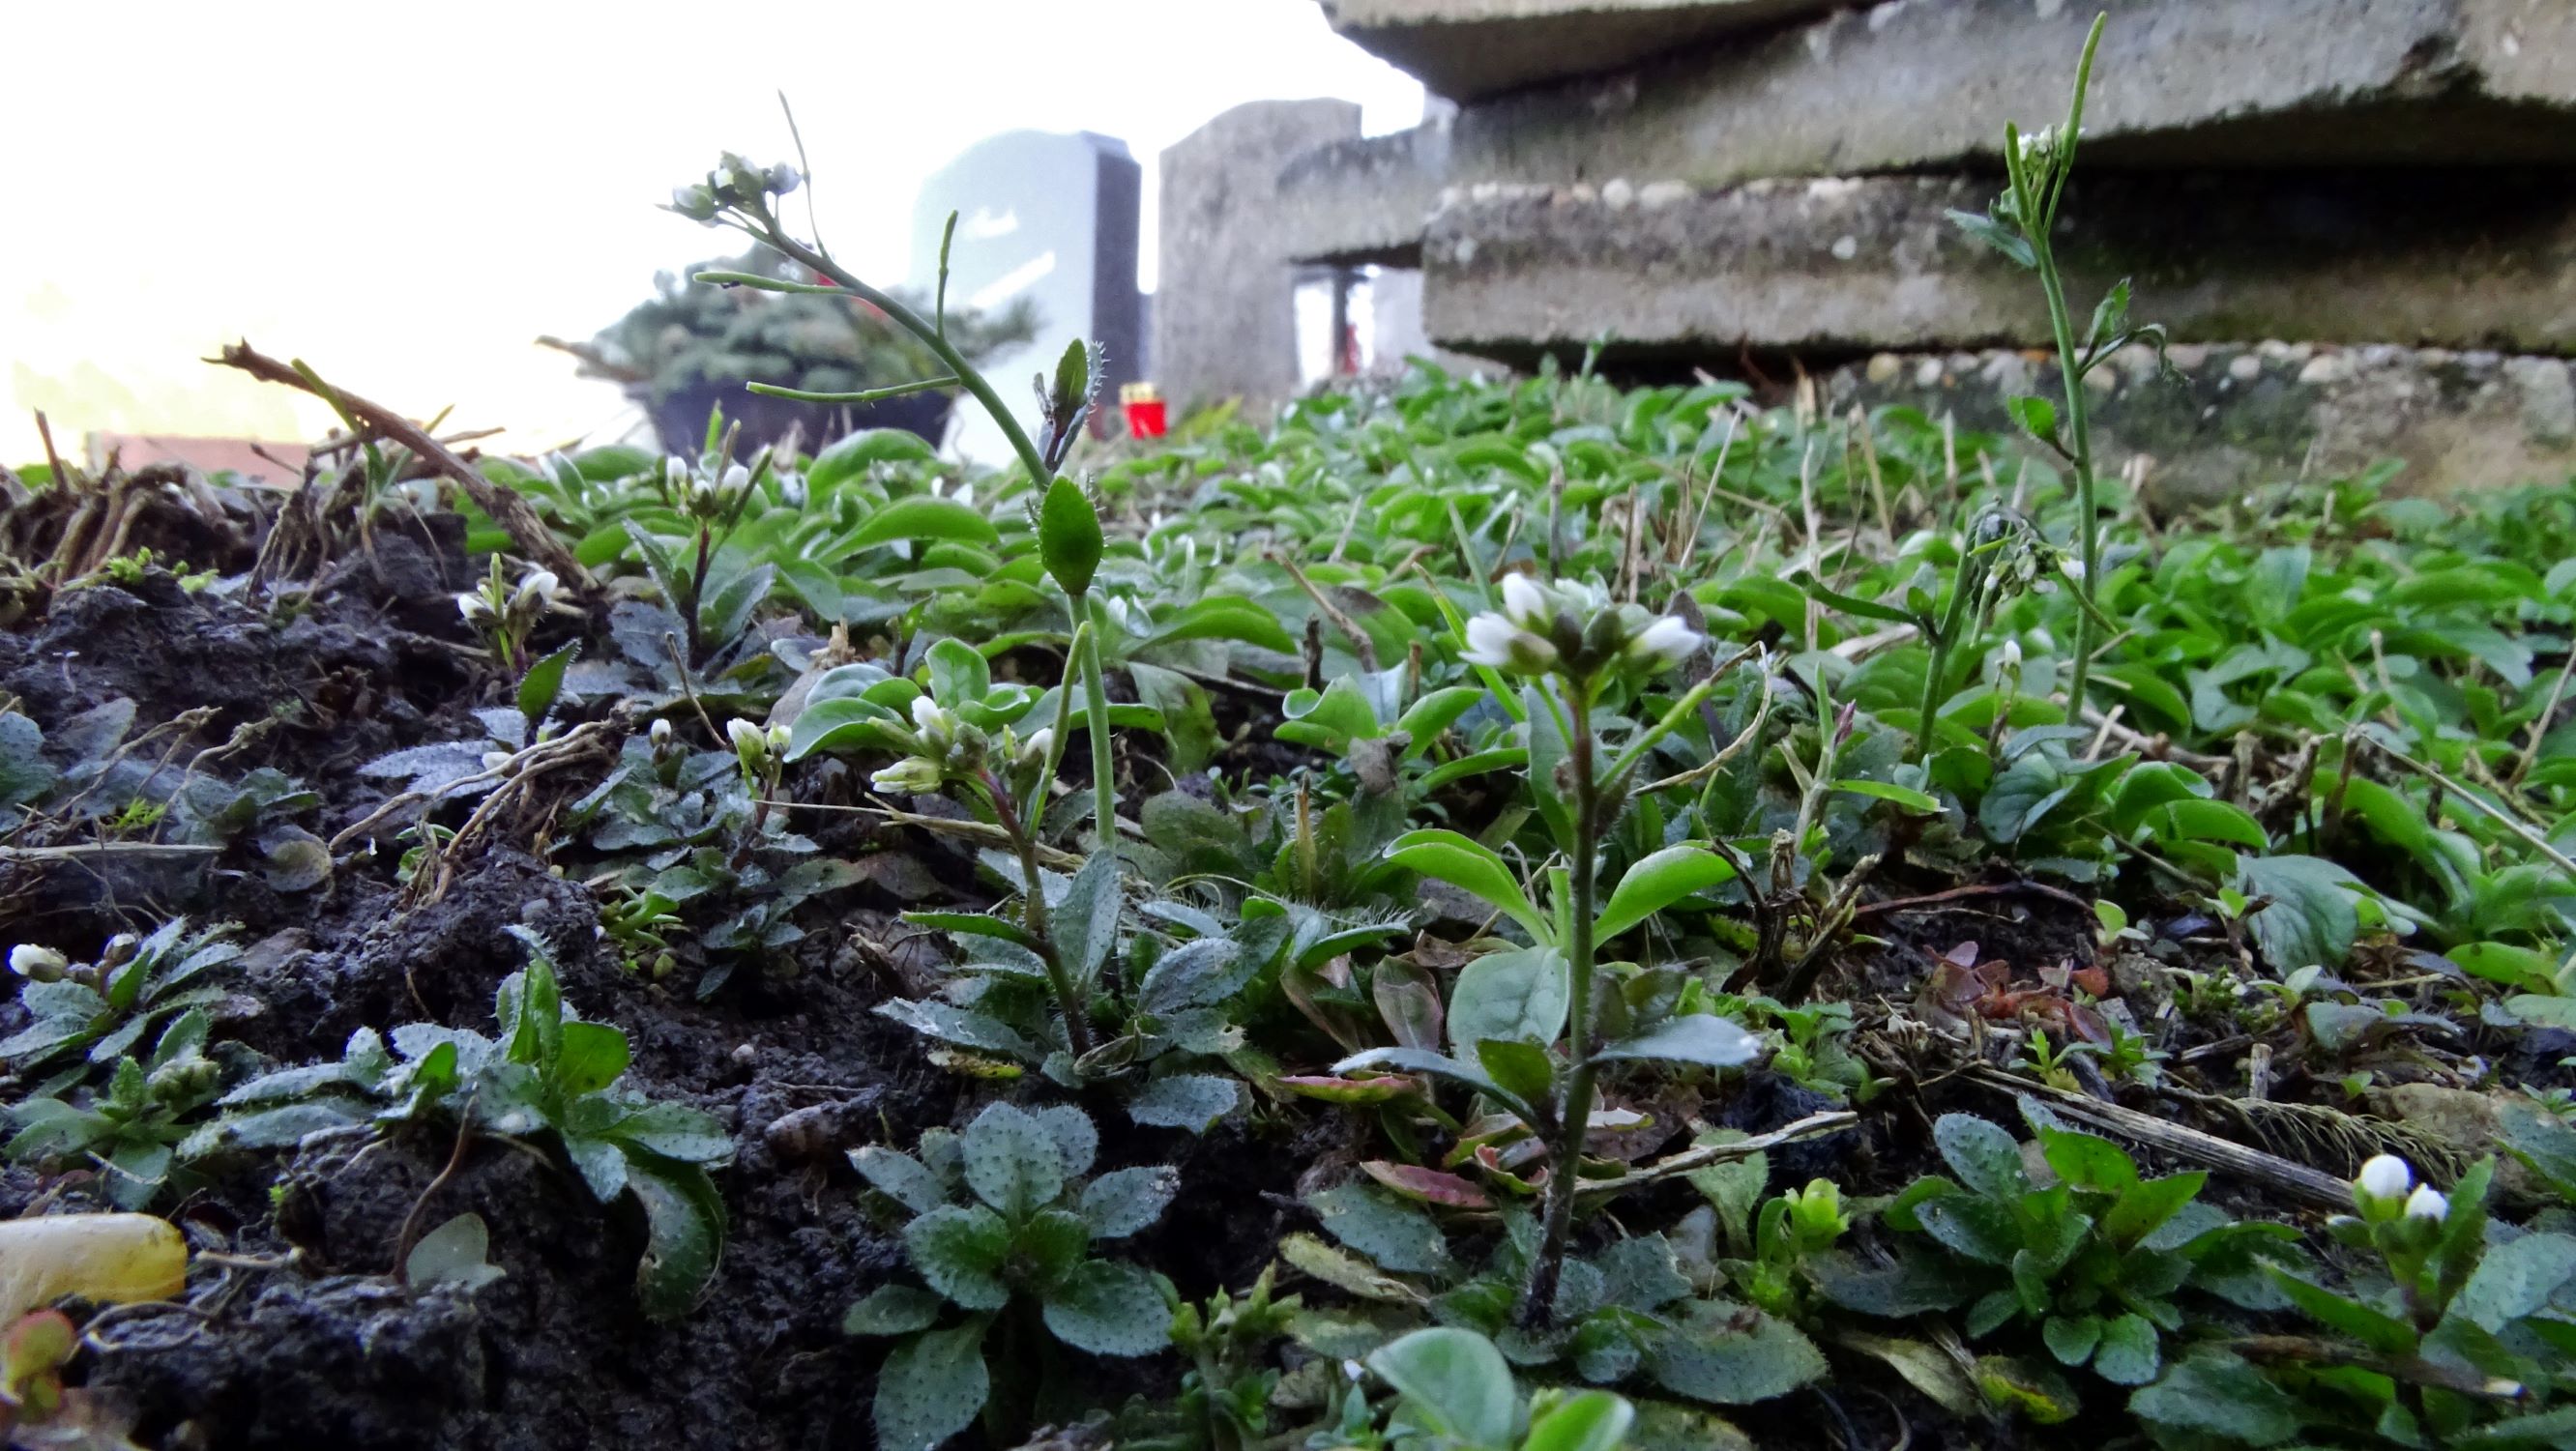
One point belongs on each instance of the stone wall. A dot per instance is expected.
(2388, 185)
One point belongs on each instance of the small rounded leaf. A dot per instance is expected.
(1454, 1379)
(931, 1388)
(959, 1250)
(1110, 1308)
(1120, 1203)
(1012, 1161)
(891, 1310)
(1069, 537)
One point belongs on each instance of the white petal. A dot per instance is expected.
(1669, 638)
(2385, 1177)
(1489, 640)
(1524, 602)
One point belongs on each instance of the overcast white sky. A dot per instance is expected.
(406, 194)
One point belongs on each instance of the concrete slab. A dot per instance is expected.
(2433, 257)
(2226, 419)
(1469, 48)
(1364, 201)
(1915, 83)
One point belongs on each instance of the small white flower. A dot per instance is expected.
(737, 480)
(1497, 642)
(748, 739)
(675, 471)
(1668, 641)
(41, 963)
(2073, 568)
(1524, 603)
(1041, 741)
(2012, 654)
(535, 593)
(779, 736)
(2385, 1177)
(475, 608)
(2427, 1203)
(660, 733)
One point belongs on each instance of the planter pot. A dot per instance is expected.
(680, 418)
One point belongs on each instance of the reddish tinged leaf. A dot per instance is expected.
(1430, 1186)
(1350, 1090)
(1495, 1164)
(2092, 980)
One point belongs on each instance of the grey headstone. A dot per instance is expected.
(1052, 218)
(1224, 316)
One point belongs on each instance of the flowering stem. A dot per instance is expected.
(932, 336)
(1538, 1294)
(1095, 705)
(1077, 1014)
(1962, 586)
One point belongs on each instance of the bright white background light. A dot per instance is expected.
(407, 194)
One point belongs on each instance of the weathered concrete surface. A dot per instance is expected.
(1364, 201)
(1468, 48)
(1913, 83)
(2223, 419)
(2447, 257)
(1224, 325)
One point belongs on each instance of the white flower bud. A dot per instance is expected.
(2385, 1177)
(2073, 568)
(660, 734)
(779, 736)
(1035, 748)
(911, 776)
(42, 964)
(737, 481)
(1525, 604)
(749, 741)
(475, 608)
(2427, 1203)
(697, 202)
(2011, 653)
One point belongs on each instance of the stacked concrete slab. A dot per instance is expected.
(2387, 183)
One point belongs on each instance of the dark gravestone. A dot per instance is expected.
(1050, 218)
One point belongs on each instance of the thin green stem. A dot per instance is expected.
(914, 323)
(1095, 705)
(1538, 1295)
(1077, 1014)
(1963, 584)
(1095, 689)
(2079, 433)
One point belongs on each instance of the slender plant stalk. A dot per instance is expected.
(2079, 433)
(1962, 584)
(1095, 704)
(2037, 212)
(1095, 690)
(1077, 1017)
(1538, 1295)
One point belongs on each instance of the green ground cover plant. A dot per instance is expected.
(1500, 914)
